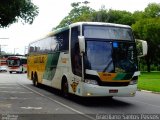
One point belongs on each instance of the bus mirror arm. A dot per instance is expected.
(81, 44)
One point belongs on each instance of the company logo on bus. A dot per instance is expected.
(39, 60)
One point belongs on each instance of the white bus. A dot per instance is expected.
(87, 59)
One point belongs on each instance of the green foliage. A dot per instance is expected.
(78, 13)
(13, 10)
(138, 15)
(100, 16)
(147, 27)
(149, 30)
(113, 16)
(120, 17)
(152, 10)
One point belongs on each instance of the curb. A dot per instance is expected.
(149, 91)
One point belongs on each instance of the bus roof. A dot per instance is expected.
(21, 57)
(99, 23)
(86, 23)
(79, 24)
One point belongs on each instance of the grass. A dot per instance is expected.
(149, 81)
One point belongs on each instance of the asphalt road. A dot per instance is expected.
(20, 100)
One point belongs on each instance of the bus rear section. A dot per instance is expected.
(17, 64)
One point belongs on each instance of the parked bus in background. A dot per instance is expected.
(17, 64)
(3, 61)
(3, 64)
(87, 59)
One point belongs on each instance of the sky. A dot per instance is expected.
(51, 12)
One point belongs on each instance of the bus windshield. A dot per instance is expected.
(13, 62)
(99, 56)
(104, 56)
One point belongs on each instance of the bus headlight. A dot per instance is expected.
(94, 82)
(134, 80)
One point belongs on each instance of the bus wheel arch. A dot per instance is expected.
(65, 87)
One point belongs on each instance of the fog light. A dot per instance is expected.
(88, 94)
(88, 81)
(132, 93)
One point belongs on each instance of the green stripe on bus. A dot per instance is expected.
(120, 76)
(51, 65)
(123, 76)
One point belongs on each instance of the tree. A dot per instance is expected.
(152, 10)
(80, 12)
(113, 16)
(149, 29)
(13, 10)
(138, 15)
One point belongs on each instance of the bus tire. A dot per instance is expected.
(109, 97)
(65, 88)
(10, 72)
(35, 80)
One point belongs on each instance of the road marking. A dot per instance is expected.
(15, 92)
(16, 98)
(31, 108)
(10, 87)
(6, 105)
(66, 106)
(6, 84)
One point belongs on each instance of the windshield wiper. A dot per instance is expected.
(110, 62)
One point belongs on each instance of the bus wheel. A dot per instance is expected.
(35, 81)
(109, 97)
(10, 72)
(65, 92)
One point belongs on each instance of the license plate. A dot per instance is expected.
(113, 91)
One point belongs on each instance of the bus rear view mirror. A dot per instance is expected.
(141, 47)
(81, 44)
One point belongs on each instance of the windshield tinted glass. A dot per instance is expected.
(15, 62)
(104, 56)
(124, 55)
(99, 56)
(108, 32)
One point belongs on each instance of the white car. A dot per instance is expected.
(3, 69)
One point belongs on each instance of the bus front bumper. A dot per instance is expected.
(90, 90)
